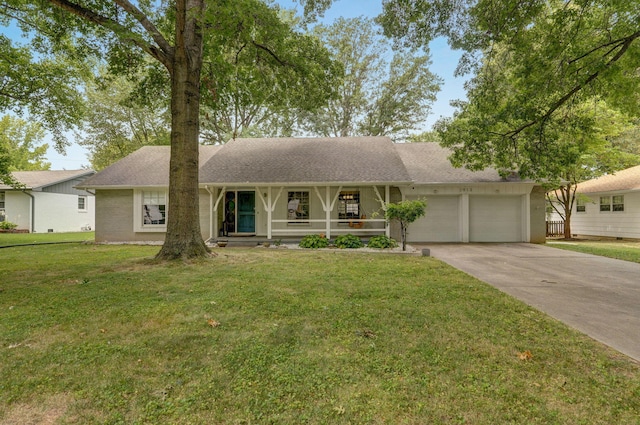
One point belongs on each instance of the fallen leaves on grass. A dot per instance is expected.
(213, 323)
(525, 355)
(366, 333)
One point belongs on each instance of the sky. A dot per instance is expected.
(444, 62)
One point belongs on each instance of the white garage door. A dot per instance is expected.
(440, 223)
(495, 219)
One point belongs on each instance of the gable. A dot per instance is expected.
(49, 180)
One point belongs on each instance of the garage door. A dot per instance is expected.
(440, 223)
(495, 219)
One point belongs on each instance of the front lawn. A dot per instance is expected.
(102, 334)
(622, 250)
(9, 239)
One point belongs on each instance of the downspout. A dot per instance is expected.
(33, 210)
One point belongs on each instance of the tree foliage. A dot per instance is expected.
(377, 97)
(583, 156)
(22, 142)
(116, 123)
(405, 213)
(534, 64)
(44, 86)
(264, 72)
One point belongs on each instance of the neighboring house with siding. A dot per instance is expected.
(291, 187)
(47, 201)
(608, 206)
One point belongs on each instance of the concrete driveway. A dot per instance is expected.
(596, 295)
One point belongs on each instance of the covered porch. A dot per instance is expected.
(267, 213)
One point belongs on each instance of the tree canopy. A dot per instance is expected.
(23, 141)
(116, 123)
(534, 65)
(377, 97)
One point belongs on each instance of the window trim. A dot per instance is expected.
(609, 203)
(305, 195)
(345, 216)
(138, 211)
(617, 206)
(3, 206)
(605, 203)
(84, 203)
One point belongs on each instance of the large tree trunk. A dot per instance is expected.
(183, 238)
(567, 220)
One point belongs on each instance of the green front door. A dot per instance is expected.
(246, 212)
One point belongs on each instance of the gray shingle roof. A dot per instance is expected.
(306, 160)
(372, 160)
(39, 179)
(628, 179)
(148, 166)
(429, 163)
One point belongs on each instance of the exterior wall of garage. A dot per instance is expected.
(500, 212)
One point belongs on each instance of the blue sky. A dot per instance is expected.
(444, 62)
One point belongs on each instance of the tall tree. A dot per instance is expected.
(172, 33)
(40, 86)
(264, 86)
(43, 85)
(533, 61)
(23, 143)
(116, 123)
(376, 97)
(582, 154)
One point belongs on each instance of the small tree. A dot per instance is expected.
(405, 212)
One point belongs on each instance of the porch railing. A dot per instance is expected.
(337, 226)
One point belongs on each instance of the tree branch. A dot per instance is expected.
(120, 30)
(270, 52)
(146, 24)
(624, 46)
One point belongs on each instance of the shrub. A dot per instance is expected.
(348, 241)
(382, 242)
(7, 225)
(314, 241)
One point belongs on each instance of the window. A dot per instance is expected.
(612, 203)
(581, 205)
(349, 206)
(298, 206)
(82, 203)
(154, 208)
(3, 214)
(618, 203)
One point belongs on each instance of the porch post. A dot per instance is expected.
(214, 211)
(212, 230)
(269, 213)
(327, 211)
(387, 197)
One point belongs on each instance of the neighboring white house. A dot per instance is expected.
(47, 201)
(608, 206)
(275, 188)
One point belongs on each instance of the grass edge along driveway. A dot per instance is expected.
(103, 334)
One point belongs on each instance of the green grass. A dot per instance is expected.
(97, 334)
(9, 239)
(622, 250)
